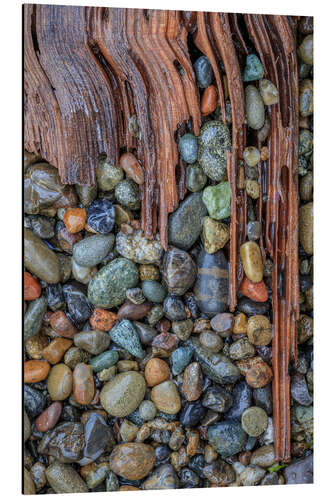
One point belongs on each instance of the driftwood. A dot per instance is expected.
(88, 71)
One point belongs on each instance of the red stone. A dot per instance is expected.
(62, 325)
(254, 291)
(133, 311)
(48, 419)
(32, 288)
(102, 319)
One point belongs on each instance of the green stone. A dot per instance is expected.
(108, 176)
(127, 194)
(108, 287)
(217, 200)
(34, 316)
(214, 141)
(123, 394)
(125, 335)
(195, 178)
(92, 250)
(153, 291)
(185, 224)
(104, 360)
(181, 358)
(227, 437)
(254, 70)
(39, 259)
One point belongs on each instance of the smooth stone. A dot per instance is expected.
(92, 341)
(156, 371)
(203, 72)
(188, 478)
(97, 476)
(254, 421)
(241, 398)
(251, 475)
(108, 287)
(268, 92)
(166, 397)
(83, 274)
(254, 69)
(125, 335)
(104, 360)
(259, 330)
(34, 401)
(211, 341)
(306, 227)
(65, 442)
(254, 291)
(136, 247)
(123, 394)
(216, 366)
(33, 317)
(83, 384)
(43, 189)
(252, 262)
(241, 349)
(39, 259)
(183, 329)
(26, 426)
(223, 324)
(299, 390)
(253, 230)
(217, 399)
(97, 436)
(146, 333)
(188, 148)
(127, 194)
(135, 295)
(196, 178)
(108, 176)
(306, 187)
(91, 251)
(147, 410)
(101, 216)
(300, 471)
(132, 168)
(192, 413)
(162, 478)
(64, 479)
(257, 372)
(78, 305)
(180, 358)
(214, 141)
(42, 226)
(55, 297)
(250, 308)
(86, 194)
(185, 224)
(255, 109)
(211, 288)
(74, 356)
(214, 235)
(178, 270)
(263, 456)
(149, 272)
(305, 50)
(153, 291)
(263, 398)
(218, 200)
(192, 382)
(174, 308)
(48, 419)
(133, 311)
(35, 370)
(59, 382)
(132, 461)
(227, 437)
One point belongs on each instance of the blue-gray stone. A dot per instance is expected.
(92, 250)
(227, 437)
(153, 291)
(125, 335)
(188, 148)
(180, 359)
(185, 224)
(203, 72)
(254, 70)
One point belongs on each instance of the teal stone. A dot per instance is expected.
(254, 70)
(104, 360)
(125, 336)
(180, 358)
(34, 316)
(216, 366)
(112, 483)
(185, 224)
(92, 250)
(227, 437)
(153, 291)
(108, 287)
(218, 200)
(196, 178)
(214, 141)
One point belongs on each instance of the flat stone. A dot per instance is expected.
(97, 436)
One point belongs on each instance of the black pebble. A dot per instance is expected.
(101, 216)
(191, 414)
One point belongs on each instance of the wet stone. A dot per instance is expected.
(125, 335)
(196, 179)
(262, 397)
(138, 248)
(217, 399)
(254, 69)
(42, 226)
(226, 437)
(135, 295)
(178, 270)
(242, 399)
(180, 358)
(64, 479)
(101, 216)
(203, 72)
(192, 382)
(250, 308)
(108, 176)
(153, 291)
(86, 194)
(91, 251)
(104, 360)
(34, 316)
(214, 235)
(65, 442)
(127, 194)
(39, 259)
(217, 200)
(174, 308)
(183, 329)
(155, 314)
(163, 477)
(97, 436)
(300, 471)
(255, 109)
(34, 401)
(188, 148)
(79, 307)
(132, 460)
(185, 224)
(166, 397)
(123, 394)
(254, 421)
(299, 390)
(241, 349)
(214, 141)
(211, 341)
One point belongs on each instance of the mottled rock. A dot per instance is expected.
(214, 235)
(127, 194)
(195, 178)
(192, 382)
(254, 421)
(64, 479)
(214, 141)
(59, 382)
(138, 248)
(39, 259)
(300, 471)
(166, 397)
(255, 109)
(217, 199)
(188, 148)
(123, 394)
(163, 478)
(299, 390)
(241, 398)
(125, 335)
(33, 317)
(180, 358)
(306, 227)
(178, 270)
(92, 341)
(65, 442)
(97, 436)
(132, 460)
(254, 69)
(185, 224)
(91, 251)
(226, 437)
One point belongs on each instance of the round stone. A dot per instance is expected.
(123, 393)
(147, 410)
(138, 248)
(166, 397)
(174, 308)
(217, 200)
(185, 224)
(132, 167)
(254, 421)
(153, 291)
(127, 194)
(156, 372)
(255, 109)
(211, 341)
(59, 382)
(132, 461)
(101, 216)
(188, 148)
(83, 384)
(251, 156)
(108, 176)
(195, 178)
(75, 219)
(305, 50)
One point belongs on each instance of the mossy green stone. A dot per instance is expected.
(108, 287)
(125, 335)
(153, 291)
(104, 360)
(123, 394)
(214, 141)
(254, 70)
(217, 200)
(195, 178)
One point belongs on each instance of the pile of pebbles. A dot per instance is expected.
(136, 376)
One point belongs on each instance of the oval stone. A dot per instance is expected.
(212, 285)
(91, 251)
(185, 224)
(255, 109)
(166, 397)
(179, 271)
(132, 461)
(227, 437)
(39, 259)
(306, 227)
(64, 479)
(252, 262)
(123, 394)
(83, 384)
(59, 382)
(108, 287)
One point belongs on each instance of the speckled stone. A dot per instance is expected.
(195, 178)
(65, 442)
(127, 194)
(173, 308)
(254, 421)
(227, 437)
(34, 401)
(108, 176)
(180, 358)
(192, 382)
(123, 394)
(218, 399)
(241, 349)
(211, 288)
(64, 479)
(215, 365)
(125, 335)
(188, 148)
(132, 461)
(217, 200)
(138, 248)
(33, 317)
(108, 287)
(178, 270)
(91, 251)
(39, 259)
(242, 399)
(183, 329)
(254, 69)
(104, 360)
(214, 141)
(185, 224)
(214, 235)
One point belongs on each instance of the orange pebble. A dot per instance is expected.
(254, 291)
(156, 372)
(209, 100)
(132, 167)
(54, 352)
(75, 219)
(35, 371)
(62, 325)
(32, 288)
(102, 319)
(83, 384)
